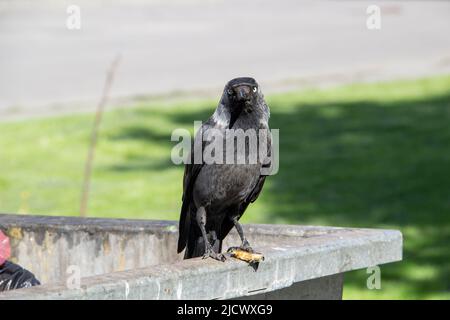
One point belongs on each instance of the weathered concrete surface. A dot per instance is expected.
(136, 259)
(100, 246)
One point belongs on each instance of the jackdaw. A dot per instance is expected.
(215, 195)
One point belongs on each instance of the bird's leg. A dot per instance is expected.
(245, 245)
(213, 239)
(209, 252)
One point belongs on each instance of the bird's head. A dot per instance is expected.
(241, 95)
(242, 92)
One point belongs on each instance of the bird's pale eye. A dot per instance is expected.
(230, 92)
(255, 89)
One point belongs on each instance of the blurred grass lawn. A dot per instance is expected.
(366, 155)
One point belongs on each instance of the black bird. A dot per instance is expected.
(215, 195)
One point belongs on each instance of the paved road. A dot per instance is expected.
(186, 45)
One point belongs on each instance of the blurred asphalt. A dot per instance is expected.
(171, 46)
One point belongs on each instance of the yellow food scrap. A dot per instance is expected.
(250, 257)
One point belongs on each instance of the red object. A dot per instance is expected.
(5, 248)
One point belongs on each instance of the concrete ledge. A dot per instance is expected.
(136, 259)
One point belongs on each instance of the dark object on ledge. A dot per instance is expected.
(13, 276)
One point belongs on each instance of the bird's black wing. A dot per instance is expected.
(191, 172)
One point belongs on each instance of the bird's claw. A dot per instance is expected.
(245, 246)
(216, 256)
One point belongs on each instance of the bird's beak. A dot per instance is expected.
(243, 96)
(243, 93)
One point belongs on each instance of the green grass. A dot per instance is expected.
(369, 155)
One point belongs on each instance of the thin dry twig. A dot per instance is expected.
(93, 143)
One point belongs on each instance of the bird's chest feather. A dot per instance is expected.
(224, 185)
